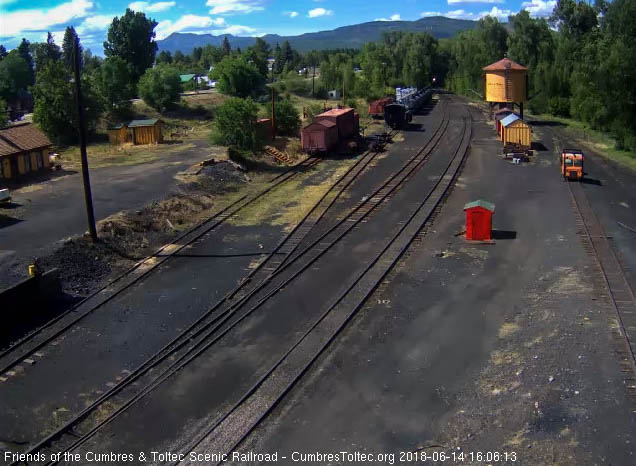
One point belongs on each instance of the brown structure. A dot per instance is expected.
(376, 108)
(23, 149)
(506, 81)
(479, 220)
(137, 132)
(265, 129)
(346, 120)
(319, 136)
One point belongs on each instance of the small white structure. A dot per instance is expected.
(334, 95)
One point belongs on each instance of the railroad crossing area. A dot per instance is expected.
(371, 326)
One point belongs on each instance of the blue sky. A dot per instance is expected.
(33, 18)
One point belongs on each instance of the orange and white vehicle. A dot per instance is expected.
(572, 164)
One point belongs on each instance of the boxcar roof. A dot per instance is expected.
(336, 112)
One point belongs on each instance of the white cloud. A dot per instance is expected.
(454, 2)
(95, 23)
(15, 22)
(317, 12)
(291, 14)
(459, 14)
(395, 17)
(186, 23)
(539, 7)
(7, 2)
(151, 7)
(426, 14)
(496, 13)
(220, 7)
(235, 30)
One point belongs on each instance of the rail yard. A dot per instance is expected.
(370, 327)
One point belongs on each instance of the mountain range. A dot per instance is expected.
(354, 36)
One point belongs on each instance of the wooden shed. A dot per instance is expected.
(147, 131)
(23, 149)
(479, 220)
(319, 136)
(515, 131)
(117, 134)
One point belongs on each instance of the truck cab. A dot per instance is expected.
(572, 164)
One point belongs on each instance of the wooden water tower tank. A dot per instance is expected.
(506, 82)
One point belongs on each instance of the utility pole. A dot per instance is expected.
(313, 86)
(273, 106)
(90, 214)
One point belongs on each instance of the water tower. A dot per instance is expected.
(506, 82)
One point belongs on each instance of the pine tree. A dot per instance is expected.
(70, 37)
(24, 51)
(3, 52)
(227, 48)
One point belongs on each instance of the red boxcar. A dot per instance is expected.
(345, 121)
(376, 108)
(319, 136)
(265, 128)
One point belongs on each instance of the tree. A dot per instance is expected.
(196, 54)
(115, 83)
(160, 87)
(24, 51)
(164, 57)
(55, 109)
(91, 62)
(3, 52)
(4, 117)
(131, 38)
(70, 38)
(45, 51)
(14, 76)
(287, 118)
(237, 77)
(178, 57)
(236, 124)
(226, 47)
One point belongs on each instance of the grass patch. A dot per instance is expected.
(289, 203)
(104, 155)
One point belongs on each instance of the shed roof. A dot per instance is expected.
(137, 123)
(320, 125)
(480, 203)
(503, 64)
(334, 112)
(186, 77)
(509, 119)
(117, 126)
(502, 110)
(22, 137)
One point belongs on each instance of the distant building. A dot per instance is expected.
(334, 94)
(23, 149)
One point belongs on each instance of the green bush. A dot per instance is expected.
(287, 118)
(559, 106)
(160, 87)
(312, 110)
(235, 124)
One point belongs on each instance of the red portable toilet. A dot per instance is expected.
(479, 220)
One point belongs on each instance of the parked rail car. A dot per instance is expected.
(376, 108)
(398, 115)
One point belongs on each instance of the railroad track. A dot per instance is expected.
(612, 280)
(232, 429)
(35, 341)
(177, 353)
(271, 262)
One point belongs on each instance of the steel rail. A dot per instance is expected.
(181, 361)
(466, 135)
(183, 338)
(220, 216)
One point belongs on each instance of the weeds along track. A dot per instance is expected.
(228, 432)
(201, 334)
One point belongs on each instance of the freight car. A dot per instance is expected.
(330, 129)
(399, 114)
(376, 108)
